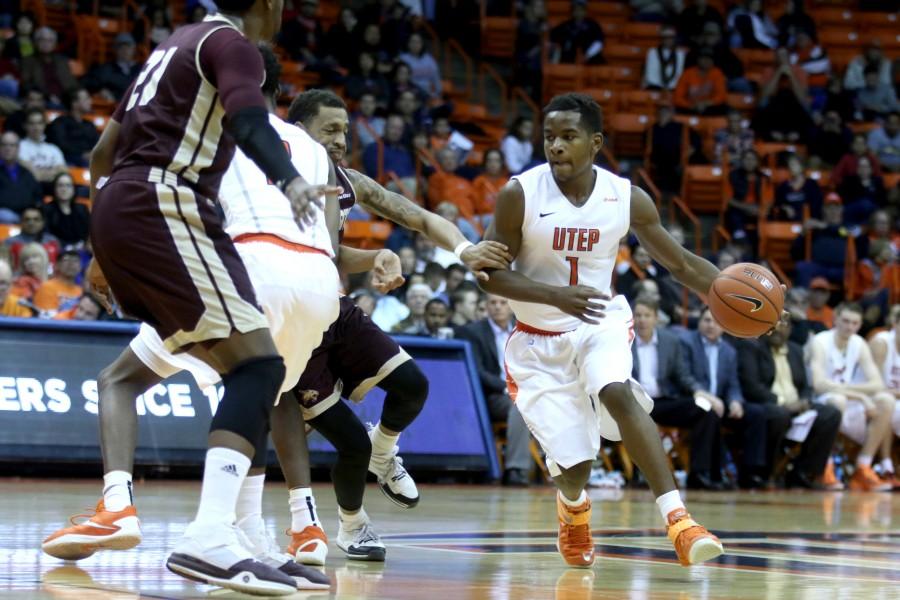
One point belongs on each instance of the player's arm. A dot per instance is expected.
(685, 266)
(399, 209)
(879, 350)
(874, 383)
(506, 229)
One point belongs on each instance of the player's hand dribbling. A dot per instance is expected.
(486, 255)
(99, 286)
(387, 273)
(581, 301)
(306, 198)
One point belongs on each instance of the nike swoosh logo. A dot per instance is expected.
(542, 215)
(756, 302)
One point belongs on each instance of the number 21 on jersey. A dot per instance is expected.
(148, 81)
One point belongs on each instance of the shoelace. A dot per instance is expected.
(579, 535)
(398, 469)
(367, 534)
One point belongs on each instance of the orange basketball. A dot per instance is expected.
(746, 300)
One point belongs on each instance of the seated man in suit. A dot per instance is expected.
(660, 368)
(713, 364)
(488, 339)
(772, 375)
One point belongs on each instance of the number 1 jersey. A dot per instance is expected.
(567, 245)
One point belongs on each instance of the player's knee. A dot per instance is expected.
(407, 389)
(125, 378)
(885, 403)
(839, 401)
(355, 449)
(618, 399)
(250, 392)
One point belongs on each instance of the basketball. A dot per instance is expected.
(746, 300)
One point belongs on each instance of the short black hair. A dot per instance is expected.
(460, 292)
(584, 105)
(436, 301)
(271, 88)
(433, 269)
(849, 306)
(455, 267)
(646, 301)
(306, 105)
(71, 96)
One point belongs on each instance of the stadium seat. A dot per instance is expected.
(366, 234)
(869, 21)
(704, 188)
(558, 11)
(498, 37)
(80, 176)
(608, 12)
(769, 152)
(625, 55)
(619, 77)
(645, 35)
(891, 180)
(755, 60)
(641, 101)
(840, 39)
(628, 134)
(776, 239)
(826, 16)
(562, 78)
(605, 97)
(7, 231)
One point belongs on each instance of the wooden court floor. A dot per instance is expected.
(473, 542)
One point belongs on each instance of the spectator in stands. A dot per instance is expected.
(751, 27)
(528, 46)
(723, 58)
(21, 45)
(862, 193)
(578, 35)
(464, 302)
(437, 313)
(397, 156)
(796, 304)
(34, 268)
(447, 186)
(872, 57)
(401, 82)
(794, 21)
(829, 244)
(733, 140)
(884, 141)
(666, 141)
(303, 36)
(48, 70)
(701, 89)
(875, 282)
(9, 81)
(341, 40)
(639, 269)
(712, 362)
(829, 140)
(66, 219)
(784, 97)
(654, 11)
(408, 106)
(488, 185)
(43, 159)
(88, 308)
(61, 292)
(426, 74)
(517, 146)
(838, 99)
(365, 79)
(111, 79)
(160, 26)
(664, 63)
(818, 310)
(19, 189)
(678, 401)
(444, 135)
(849, 162)
(845, 376)
(876, 99)
(773, 375)
(488, 338)
(393, 18)
(454, 275)
(10, 303)
(813, 59)
(71, 132)
(797, 192)
(879, 229)
(197, 13)
(417, 296)
(33, 230)
(450, 211)
(372, 44)
(367, 125)
(747, 185)
(31, 98)
(692, 21)
(435, 279)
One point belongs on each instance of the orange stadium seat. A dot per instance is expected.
(622, 78)
(645, 35)
(608, 12)
(558, 11)
(841, 57)
(770, 151)
(7, 231)
(641, 101)
(628, 134)
(832, 15)
(755, 59)
(366, 234)
(562, 78)
(625, 55)
(80, 176)
(840, 39)
(776, 239)
(614, 32)
(498, 37)
(868, 21)
(605, 97)
(704, 188)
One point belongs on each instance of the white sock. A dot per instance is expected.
(887, 465)
(249, 501)
(223, 474)
(382, 443)
(351, 522)
(117, 492)
(863, 461)
(668, 502)
(581, 498)
(303, 509)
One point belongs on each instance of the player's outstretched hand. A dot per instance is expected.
(581, 301)
(486, 255)
(387, 273)
(99, 286)
(305, 198)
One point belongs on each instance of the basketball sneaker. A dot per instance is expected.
(574, 541)
(693, 543)
(103, 529)
(308, 547)
(866, 480)
(361, 543)
(392, 477)
(829, 480)
(215, 555)
(265, 549)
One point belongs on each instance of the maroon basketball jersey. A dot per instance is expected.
(347, 198)
(172, 116)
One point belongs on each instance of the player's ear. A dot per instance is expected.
(597, 141)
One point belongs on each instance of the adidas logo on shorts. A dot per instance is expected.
(231, 470)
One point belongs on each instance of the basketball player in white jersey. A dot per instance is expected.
(885, 348)
(569, 360)
(845, 376)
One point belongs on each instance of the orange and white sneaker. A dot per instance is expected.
(308, 547)
(575, 542)
(694, 544)
(103, 530)
(829, 480)
(866, 480)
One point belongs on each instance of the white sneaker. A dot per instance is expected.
(362, 543)
(394, 480)
(215, 555)
(254, 536)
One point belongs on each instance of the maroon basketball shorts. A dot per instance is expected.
(170, 264)
(354, 357)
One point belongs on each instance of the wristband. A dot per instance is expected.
(461, 248)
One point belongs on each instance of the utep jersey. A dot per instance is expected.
(347, 198)
(253, 204)
(841, 366)
(567, 245)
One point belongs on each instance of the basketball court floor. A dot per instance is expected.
(474, 542)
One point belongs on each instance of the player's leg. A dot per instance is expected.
(886, 403)
(878, 426)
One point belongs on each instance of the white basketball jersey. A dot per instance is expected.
(840, 365)
(253, 204)
(567, 245)
(891, 369)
